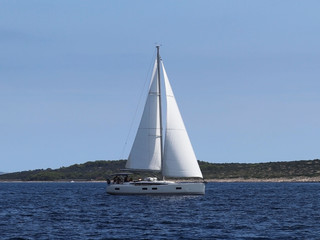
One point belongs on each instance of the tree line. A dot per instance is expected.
(101, 170)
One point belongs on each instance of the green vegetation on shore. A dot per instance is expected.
(292, 169)
(101, 170)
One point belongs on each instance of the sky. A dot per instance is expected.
(72, 75)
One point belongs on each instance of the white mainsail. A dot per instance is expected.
(146, 150)
(179, 157)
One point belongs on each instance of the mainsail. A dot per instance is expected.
(178, 158)
(146, 150)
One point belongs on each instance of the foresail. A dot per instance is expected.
(179, 157)
(146, 150)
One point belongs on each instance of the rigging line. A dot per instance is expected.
(149, 72)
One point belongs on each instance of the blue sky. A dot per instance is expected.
(245, 75)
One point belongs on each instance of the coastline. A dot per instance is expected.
(224, 180)
(275, 180)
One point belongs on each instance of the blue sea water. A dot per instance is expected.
(227, 211)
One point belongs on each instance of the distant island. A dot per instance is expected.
(100, 170)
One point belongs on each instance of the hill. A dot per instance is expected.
(97, 170)
(101, 170)
(292, 169)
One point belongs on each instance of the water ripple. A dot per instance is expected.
(227, 211)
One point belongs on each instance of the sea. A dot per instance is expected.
(227, 211)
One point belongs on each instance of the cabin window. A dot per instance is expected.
(178, 188)
(154, 188)
(117, 188)
(144, 188)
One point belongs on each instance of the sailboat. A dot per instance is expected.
(169, 152)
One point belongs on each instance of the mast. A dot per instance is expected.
(160, 109)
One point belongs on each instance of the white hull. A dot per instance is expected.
(157, 187)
